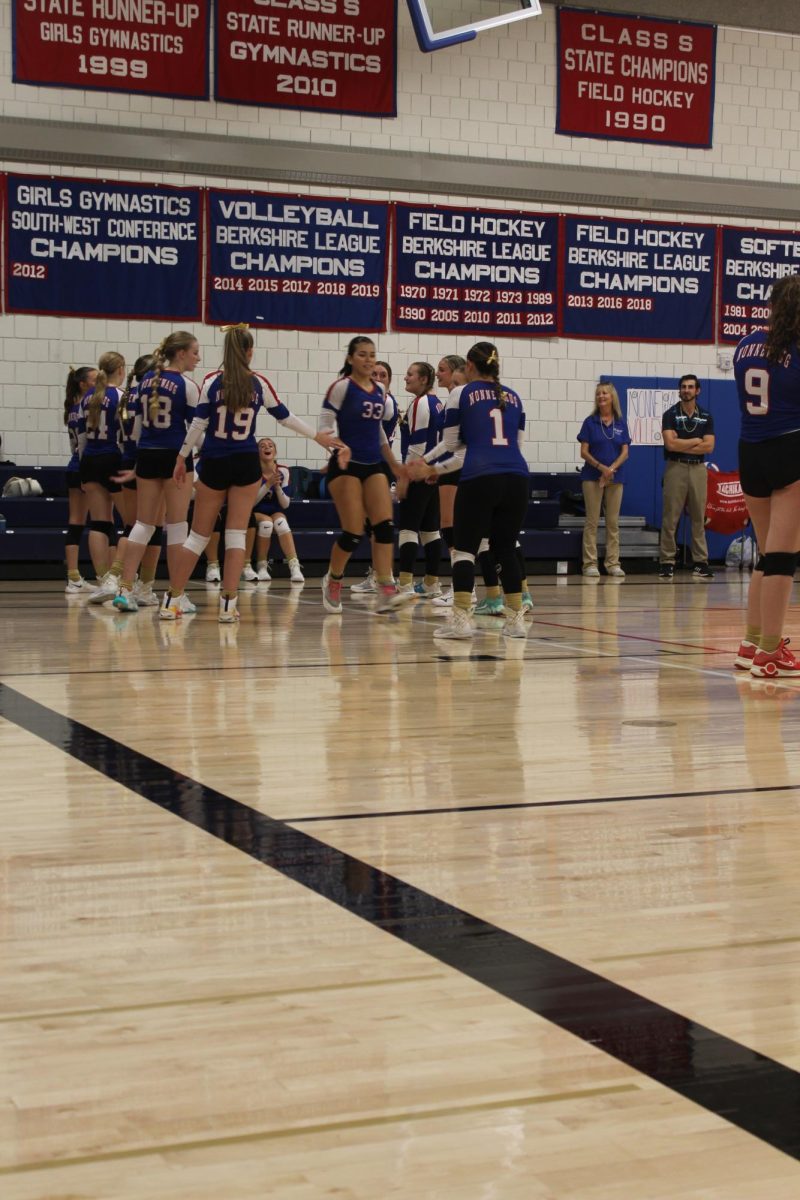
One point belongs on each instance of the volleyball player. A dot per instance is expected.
(391, 415)
(418, 514)
(272, 502)
(79, 382)
(99, 462)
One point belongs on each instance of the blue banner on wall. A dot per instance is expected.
(297, 262)
(476, 271)
(638, 280)
(94, 249)
(750, 262)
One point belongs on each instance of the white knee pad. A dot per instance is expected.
(196, 542)
(407, 535)
(141, 533)
(432, 535)
(265, 529)
(235, 539)
(281, 526)
(463, 556)
(177, 533)
(484, 546)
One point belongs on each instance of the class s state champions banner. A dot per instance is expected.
(153, 47)
(635, 79)
(297, 262)
(638, 280)
(87, 248)
(327, 55)
(477, 271)
(750, 262)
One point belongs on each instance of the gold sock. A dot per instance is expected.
(462, 600)
(769, 643)
(405, 578)
(384, 580)
(116, 568)
(752, 634)
(493, 593)
(431, 580)
(514, 601)
(74, 576)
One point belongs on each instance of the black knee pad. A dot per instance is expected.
(759, 563)
(157, 536)
(780, 564)
(73, 537)
(105, 527)
(384, 532)
(348, 541)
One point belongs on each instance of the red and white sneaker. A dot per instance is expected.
(745, 655)
(780, 663)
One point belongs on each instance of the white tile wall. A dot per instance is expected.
(496, 94)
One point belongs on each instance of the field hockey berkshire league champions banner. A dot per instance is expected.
(296, 262)
(476, 271)
(750, 262)
(93, 249)
(639, 281)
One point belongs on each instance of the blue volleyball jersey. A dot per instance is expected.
(126, 420)
(421, 426)
(266, 498)
(769, 393)
(490, 433)
(73, 418)
(358, 413)
(102, 439)
(391, 415)
(165, 427)
(234, 432)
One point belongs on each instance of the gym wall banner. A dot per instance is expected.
(635, 79)
(152, 47)
(638, 281)
(88, 248)
(476, 271)
(750, 262)
(342, 57)
(297, 262)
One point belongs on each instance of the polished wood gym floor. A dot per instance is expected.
(318, 907)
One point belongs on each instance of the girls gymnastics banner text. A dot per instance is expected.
(155, 47)
(638, 281)
(329, 55)
(477, 271)
(750, 262)
(296, 262)
(87, 248)
(635, 79)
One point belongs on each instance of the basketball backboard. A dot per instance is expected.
(433, 19)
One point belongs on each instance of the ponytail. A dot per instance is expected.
(164, 352)
(486, 361)
(72, 392)
(95, 402)
(237, 378)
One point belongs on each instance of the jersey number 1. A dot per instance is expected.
(499, 438)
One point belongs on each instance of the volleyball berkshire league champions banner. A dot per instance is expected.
(750, 262)
(326, 55)
(297, 262)
(638, 280)
(635, 79)
(476, 271)
(155, 47)
(93, 249)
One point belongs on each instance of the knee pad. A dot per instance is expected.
(177, 533)
(463, 556)
(106, 528)
(196, 542)
(759, 563)
(74, 533)
(281, 526)
(265, 529)
(235, 539)
(384, 532)
(156, 536)
(253, 522)
(141, 534)
(484, 546)
(348, 541)
(430, 535)
(780, 564)
(407, 535)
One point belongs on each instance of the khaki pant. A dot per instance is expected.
(594, 498)
(684, 484)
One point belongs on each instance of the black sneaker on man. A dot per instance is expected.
(666, 572)
(703, 572)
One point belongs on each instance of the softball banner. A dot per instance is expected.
(750, 262)
(638, 281)
(93, 249)
(155, 47)
(297, 262)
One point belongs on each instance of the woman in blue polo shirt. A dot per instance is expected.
(604, 440)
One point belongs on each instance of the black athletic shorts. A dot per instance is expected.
(98, 468)
(73, 481)
(354, 470)
(451, 479)
(420, 509)
(765, 467)
(235, 470)
(128, 464)
(490, 506)
(159, 464)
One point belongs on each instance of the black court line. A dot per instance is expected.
(737, 1084)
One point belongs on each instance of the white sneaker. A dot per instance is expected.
(126, 601)
(262, 574)
(170, 608)
(248, 574)
(370, 584)
(186, 606)
(228, 610)
(460, 627)
(331, 594)
(428, 593)
(406, 589)
(107, 589)
(144, 596)
(443, 600)
(212, 573)
(75, 585)
(515, 626)
(615, 572)
(295, 573)
(591, 572)
(391, 597)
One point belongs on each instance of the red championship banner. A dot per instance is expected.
(635, 79)
(326, 55)
(155, 47)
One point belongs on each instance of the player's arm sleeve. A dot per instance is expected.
(199, 424)
(448, 454)
(331, 405)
